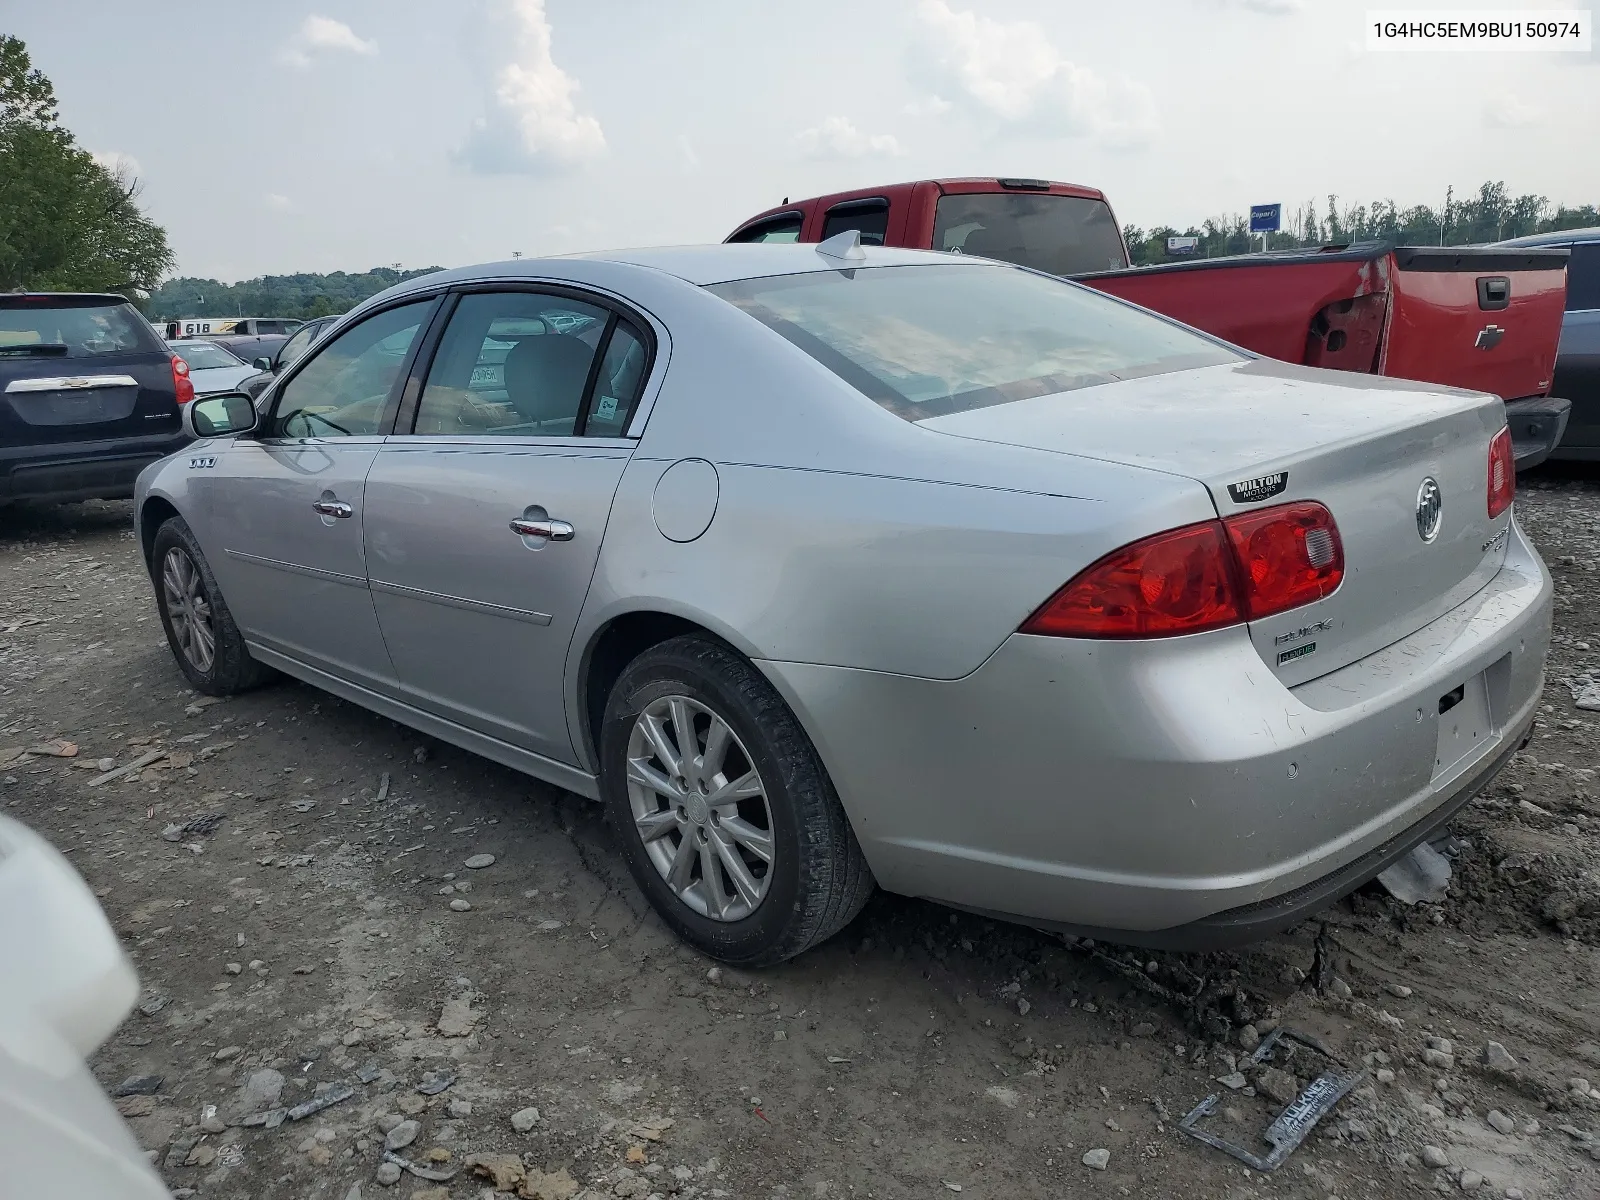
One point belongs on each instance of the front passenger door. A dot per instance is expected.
(291, 502)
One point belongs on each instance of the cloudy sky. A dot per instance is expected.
(343, 134)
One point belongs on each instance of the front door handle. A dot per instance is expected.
(556, 531)
(333, 508)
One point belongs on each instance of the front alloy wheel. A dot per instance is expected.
(700, 808)
(188, 609)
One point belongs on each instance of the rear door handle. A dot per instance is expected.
(556, 531)
(333, 508)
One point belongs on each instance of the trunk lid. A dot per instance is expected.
(1264, 432)
(1482, 317)
(81, 368)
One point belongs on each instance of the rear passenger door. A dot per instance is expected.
(486, 509)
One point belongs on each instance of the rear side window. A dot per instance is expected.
(48, 328)
(1063, 235)
(928, 341)
(779, 229)
(1583, 277)
(871, 217)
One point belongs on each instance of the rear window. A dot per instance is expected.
(203, 355)
(30, 329)
(1064, 235)
(928, 341)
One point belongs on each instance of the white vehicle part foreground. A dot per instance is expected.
(65, 987)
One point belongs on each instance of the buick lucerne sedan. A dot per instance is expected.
(827, 567)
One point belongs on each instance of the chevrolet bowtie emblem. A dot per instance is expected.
(1489, 337)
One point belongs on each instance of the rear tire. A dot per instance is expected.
(749, 779)
(200, 630)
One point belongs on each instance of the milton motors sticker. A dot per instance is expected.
(1248, 491)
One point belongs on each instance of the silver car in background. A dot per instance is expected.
(826, 566)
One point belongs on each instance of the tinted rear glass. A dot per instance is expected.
(871, 217)
(1064, 235)
(1583, 277)
(927, 341)
(29, 329)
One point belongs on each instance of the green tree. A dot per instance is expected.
(66, 222)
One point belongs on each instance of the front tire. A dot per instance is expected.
(200, 630)
(724, 812)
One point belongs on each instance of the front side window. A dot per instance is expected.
(295, 346)
(1063, 235)
(928, 341)
(871, 217)
(513, 364)
(344, 390)
(778, 229)
(1583, 277)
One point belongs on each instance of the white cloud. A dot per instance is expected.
(837, 137)
(1505, 111)
(927, 106)
(278, 203)
(118, 163)
(323, 35)
(532, 123)
(1010, 71)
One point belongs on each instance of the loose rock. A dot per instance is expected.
(457, 1019)
(1497, 1058)
(1500, 1121)
(461, 1108)
(1277, 1085)
(1434, 1158)
(139, 1085)
(460, 905)
(227, 1054)
(1097, 1160)
(479, 861)
(402, 1135)
(524, 1119)
(388, 1174)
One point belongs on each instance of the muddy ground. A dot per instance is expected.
(312, 942)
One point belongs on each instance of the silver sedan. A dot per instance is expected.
(825, 567)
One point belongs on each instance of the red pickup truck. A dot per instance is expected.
(1486, 318)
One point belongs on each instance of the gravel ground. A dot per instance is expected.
(291, 876)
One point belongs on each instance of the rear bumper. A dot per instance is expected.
(1537, 424)
(66, 471)
(1173, 792)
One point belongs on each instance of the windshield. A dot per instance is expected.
(927, 341)
(1064, 235)
(29, 328)
(201, 355)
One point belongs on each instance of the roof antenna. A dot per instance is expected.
(786, 199)
(845, 246)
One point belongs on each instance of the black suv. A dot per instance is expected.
(89, 396)
(1578, 361)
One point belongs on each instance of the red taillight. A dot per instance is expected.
(181, 381)
(1502, 474)
(1181, 581)
(1201, 577)
(1289, 555)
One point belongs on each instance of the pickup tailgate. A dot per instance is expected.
(1481, 317)
(1362, 446)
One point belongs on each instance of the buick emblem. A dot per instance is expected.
(1430, 508)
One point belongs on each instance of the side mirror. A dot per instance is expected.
(262, 364)
(222, 415)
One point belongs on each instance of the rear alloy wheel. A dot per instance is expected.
(700, 808)
(207, 644)
(725, 815)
